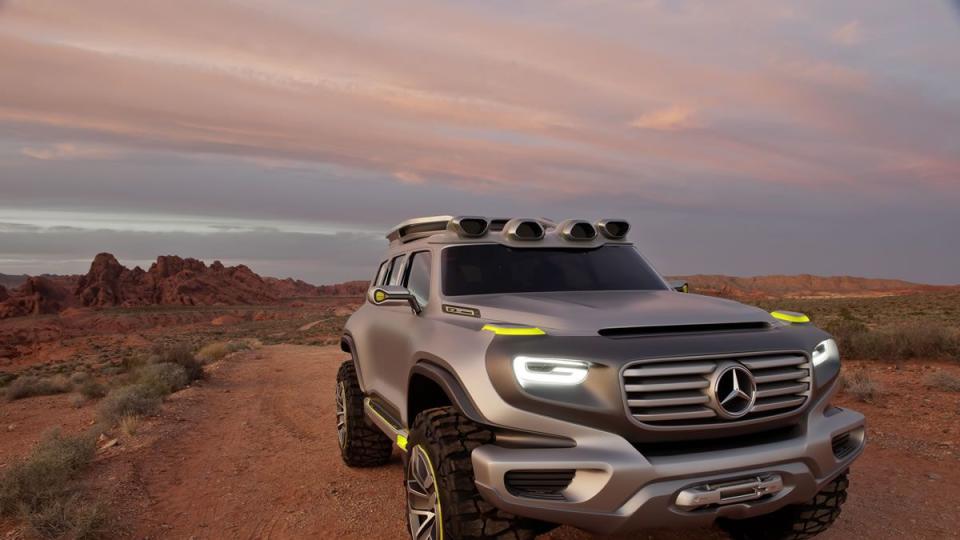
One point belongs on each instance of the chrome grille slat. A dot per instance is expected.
(777, 403)
(691, 368)
(670, 401)
(675, 394)
(780, 390)
(669, 385)
(779, 375)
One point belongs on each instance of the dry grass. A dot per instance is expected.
(219, 350)
(859, 385)
(129, 424)
(29, 386)
(944, 381)
(92, 389)
(42, 489)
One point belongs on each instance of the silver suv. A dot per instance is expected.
(536, 373)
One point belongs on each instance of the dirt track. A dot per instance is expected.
(253, 454)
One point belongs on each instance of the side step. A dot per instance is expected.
(389, 425)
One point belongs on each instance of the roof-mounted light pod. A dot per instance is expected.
(468, 226)
(577, 230)
(614, 229)
(524, 229)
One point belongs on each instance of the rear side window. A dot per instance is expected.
(418, 276)
(396, 269)
(381, 274)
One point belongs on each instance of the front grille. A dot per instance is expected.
(674, 392)
(539, 484)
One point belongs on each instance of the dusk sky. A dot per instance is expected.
(738, 137)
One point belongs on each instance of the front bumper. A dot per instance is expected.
(616, 488)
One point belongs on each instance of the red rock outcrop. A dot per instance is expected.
(38, 296)
(348, 288)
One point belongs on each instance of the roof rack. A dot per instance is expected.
(519, 229)
(412, 229)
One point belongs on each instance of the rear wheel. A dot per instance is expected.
(795, 522)
(442, 498)
(361, 445)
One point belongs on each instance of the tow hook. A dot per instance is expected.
(730, 492)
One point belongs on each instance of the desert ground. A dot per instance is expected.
(250, 450)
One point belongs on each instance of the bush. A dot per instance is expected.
(43, 476)
(92, 389)
(134, 399)
(216, 351)
(78, 378)
(861, 386)
(129, 424)
(942, 380)
(29, 386)
(163, 379)
(902, 341)
(41, 489)
(181, 356)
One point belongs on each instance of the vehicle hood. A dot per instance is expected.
(586, 312)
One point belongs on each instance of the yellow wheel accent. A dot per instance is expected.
(513, 330)
(379, 296)
(791, 317)
(402, 442)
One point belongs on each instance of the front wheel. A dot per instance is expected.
(442, 498)
(796, 522)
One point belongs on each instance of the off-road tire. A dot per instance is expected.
(363, 444)
(795, 522)
(449, 438)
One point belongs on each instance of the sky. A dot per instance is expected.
(737, 137)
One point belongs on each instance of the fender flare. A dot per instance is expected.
(452, 387)
(347, 345)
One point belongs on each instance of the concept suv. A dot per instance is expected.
(537, 373)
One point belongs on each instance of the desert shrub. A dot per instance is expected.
(6, 378)
(907, 341)
(41, 489)
(859, 385)
(133, 399)
(92, 389)
(29, 385)
(78, 378)
(44, 475)
(180, 355)
(942, 380)
(70, 517)
(163, 379)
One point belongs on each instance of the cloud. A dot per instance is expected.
(69, 151)
(848, 34)
(672, 118)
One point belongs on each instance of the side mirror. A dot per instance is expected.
(391, 295)
(679, 285)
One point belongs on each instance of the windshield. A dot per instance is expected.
(495, 268)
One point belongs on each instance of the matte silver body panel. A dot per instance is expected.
(616, 486)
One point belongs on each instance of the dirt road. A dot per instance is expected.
(253, 454)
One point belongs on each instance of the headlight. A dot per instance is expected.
(825, 351)
(549, 371)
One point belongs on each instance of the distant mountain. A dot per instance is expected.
(171, 280)
(803, 285)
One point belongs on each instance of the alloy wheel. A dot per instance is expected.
(423, 503)
(341, 414)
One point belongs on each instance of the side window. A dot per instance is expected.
(418, 276)
(396, 269)
(381, 273)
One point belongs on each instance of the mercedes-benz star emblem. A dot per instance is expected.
(734, 391)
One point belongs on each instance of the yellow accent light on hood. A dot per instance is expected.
(513, 330)
(790, 317)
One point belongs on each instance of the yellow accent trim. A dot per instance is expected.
(436, 486)
(686, 288)
(790, 316)
(402, 441)
(513, 330)
(379, 296)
